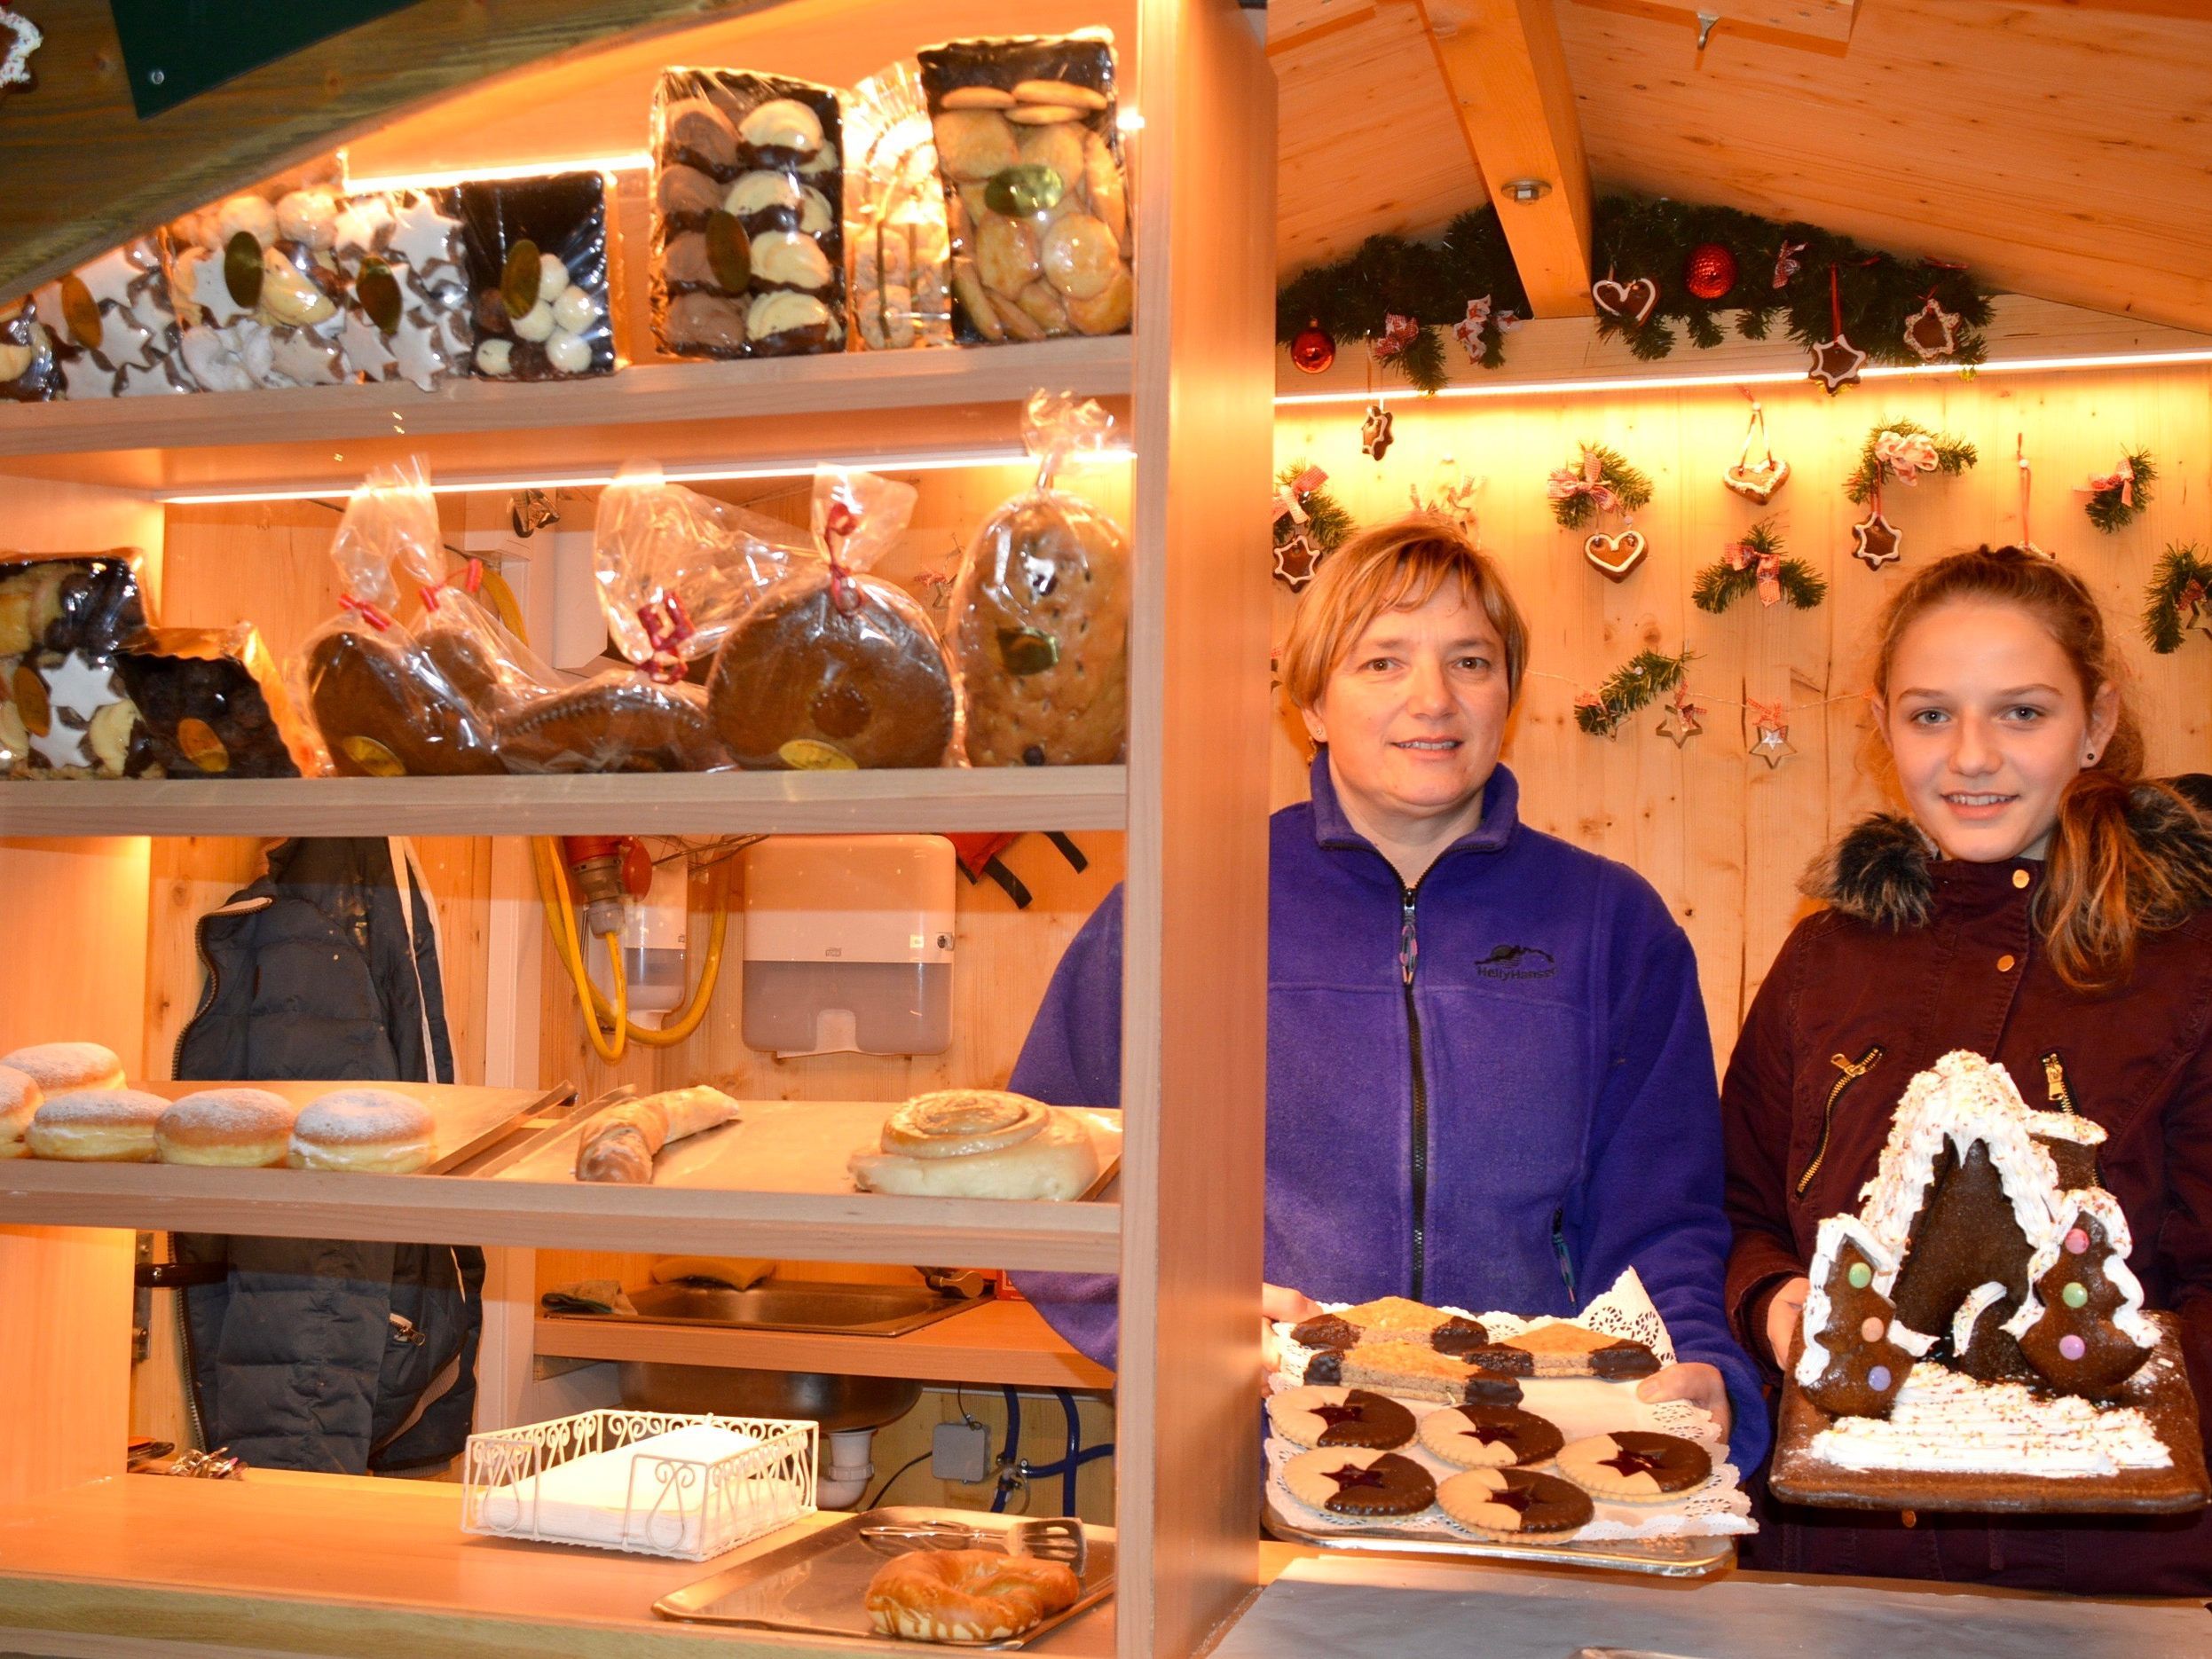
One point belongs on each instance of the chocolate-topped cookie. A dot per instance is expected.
(1340, 1417)
(1359, 1481)
(1563, 1348)
(1489, 1436)
(1635, 1465)
(1412, 1371)
(1508, 1505)
(1393, 1318)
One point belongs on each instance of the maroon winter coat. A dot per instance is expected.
(1915, 956)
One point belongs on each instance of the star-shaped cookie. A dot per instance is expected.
(1836, 363)
(1875, 541)
(421, 234)
(77, 685)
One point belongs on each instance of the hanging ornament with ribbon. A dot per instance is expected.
(1683, 720)
(2027, 478)
(1604, 483)
(1759, 562)
(1310, 523)
(1836, 361)
(1770, 731)
(1756, 480)
(2176, 600)
(1312, 350)
(1451, 501)
(2118, 497)
(1932, 332)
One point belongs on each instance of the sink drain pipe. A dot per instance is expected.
(846, 1468)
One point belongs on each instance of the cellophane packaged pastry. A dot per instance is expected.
(539, 252)
(212, 703)
(65, 618)
(383, 706)
(748, 246)
(833, 668)
(408, 301)
(1040, 612)
(255, 284)
(113, 327)
(674, 568)
(898, 250)
(1036, 193)
(28, 373)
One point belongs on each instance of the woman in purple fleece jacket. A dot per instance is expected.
(1490, 1082)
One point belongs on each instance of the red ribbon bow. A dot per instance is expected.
(1768, 717)
(1787, 265)
(2120, 478)
(1567, 482)
(2193, 598)
(1743, 556)
(1397, 333)
(368, 612)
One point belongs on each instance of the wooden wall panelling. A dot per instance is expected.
(1722, 837)
(65, 1367)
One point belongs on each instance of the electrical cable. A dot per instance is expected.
(878, 1499)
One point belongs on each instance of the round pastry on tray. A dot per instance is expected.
(1489, 1437)
(19, 1098)
(237, 1129)
(1359, 1481)
(60, 1067)
(1315, 1417)
(379, 1131)
(1635, 1466)
(1514, 1506)
(97, 1126)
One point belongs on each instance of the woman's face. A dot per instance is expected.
(1988, 725)
(1414, 713)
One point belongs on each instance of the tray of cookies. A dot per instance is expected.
(1398, 1427)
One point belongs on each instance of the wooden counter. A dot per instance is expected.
(991, 1342)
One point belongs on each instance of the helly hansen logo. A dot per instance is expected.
(1517, 961)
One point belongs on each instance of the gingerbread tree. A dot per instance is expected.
(1851, 1365)
(2088, 1333)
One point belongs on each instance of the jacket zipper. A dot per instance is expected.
(1850, 1074)
(1559, 1249)
(1408, 957)
(2055, 1081)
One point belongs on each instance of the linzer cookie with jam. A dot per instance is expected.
(1340, 1417)
(1359, 1481)
(1562, 1348)
(1392, 1318)
(1514, 1506)
(1635, 1466)
(1489, 1437)
(1412, 1372)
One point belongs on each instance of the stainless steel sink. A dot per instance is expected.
(835, 1402)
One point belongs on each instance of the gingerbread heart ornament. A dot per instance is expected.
(1632, 302)
(1615, 555)
(1756, 481)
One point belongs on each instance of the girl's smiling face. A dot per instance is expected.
(1989, 723)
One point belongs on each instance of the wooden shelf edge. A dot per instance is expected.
(438, 1209)
(773, 803)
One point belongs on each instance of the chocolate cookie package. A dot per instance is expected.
(256, 289)
(1039, 613)
(113, 328)
(537, 254)
(407, 299)
(748, 237)
(28, 371)
(898, 248)
(212, 703)
(834, 669)
(65, 618)
(1036, 195)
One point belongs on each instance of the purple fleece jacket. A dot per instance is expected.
(1564, 1066)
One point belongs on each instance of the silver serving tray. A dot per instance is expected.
(816, 1585)
(1666, 1558)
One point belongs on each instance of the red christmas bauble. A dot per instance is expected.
(1709, 272)
(1312, 351)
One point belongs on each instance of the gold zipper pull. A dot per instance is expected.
(2055, 1082)
(1848, 1069)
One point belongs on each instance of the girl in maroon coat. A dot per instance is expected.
(2046, 906)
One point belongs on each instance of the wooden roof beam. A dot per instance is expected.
(1507, 75)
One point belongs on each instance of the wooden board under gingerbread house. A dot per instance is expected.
(1802, 1474)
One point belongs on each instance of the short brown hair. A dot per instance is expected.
(1397, 566)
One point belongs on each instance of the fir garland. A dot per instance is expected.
(2182, 581)
(1327, 519)
(1629, 688)
(2110, 508)
(1953, 456)
(1721, 584)
(1631, 486)
(1635, 237)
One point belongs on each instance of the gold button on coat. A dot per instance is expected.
(2004, 964)
(2019, 878)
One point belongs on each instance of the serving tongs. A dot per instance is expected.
(1052, 1539)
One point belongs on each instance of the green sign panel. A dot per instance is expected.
(178, 49)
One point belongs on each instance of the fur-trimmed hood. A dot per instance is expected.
(1878, 871)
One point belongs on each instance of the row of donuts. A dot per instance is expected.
(70, 1101)
(977, 195)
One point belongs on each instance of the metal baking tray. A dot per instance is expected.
(817, 1585)
(1664, 1558)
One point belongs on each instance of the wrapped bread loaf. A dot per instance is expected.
(620, 1144)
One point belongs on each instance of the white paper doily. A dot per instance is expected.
(1579, 1406)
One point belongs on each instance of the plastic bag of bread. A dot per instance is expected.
(748, 258)
(255, 284)
(28, 371)
(64, 619)
(674, 568)
(1039, 613)
(831, 668)
(113, 327)
(898, 249)
(537, 253)
(383, 704)
(1030, 154)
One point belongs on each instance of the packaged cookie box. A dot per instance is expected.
(28, 373)
(898, 249)
(406, 294)
(211, 703)
(538, 257)
(748, 230)
(64, 620)
(1035, 192)
(255, 285)
(112, 327)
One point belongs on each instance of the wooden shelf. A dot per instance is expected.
(699, 803)
(991, 1342)
(788, 412)
(446, 1210)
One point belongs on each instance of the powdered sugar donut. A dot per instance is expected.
(235, 1129)
(376, 1130)
(19, 1096)
(60, 1067)
(97, 1126)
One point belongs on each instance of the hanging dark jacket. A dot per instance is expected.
(337, 1356)
(1916, 955)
